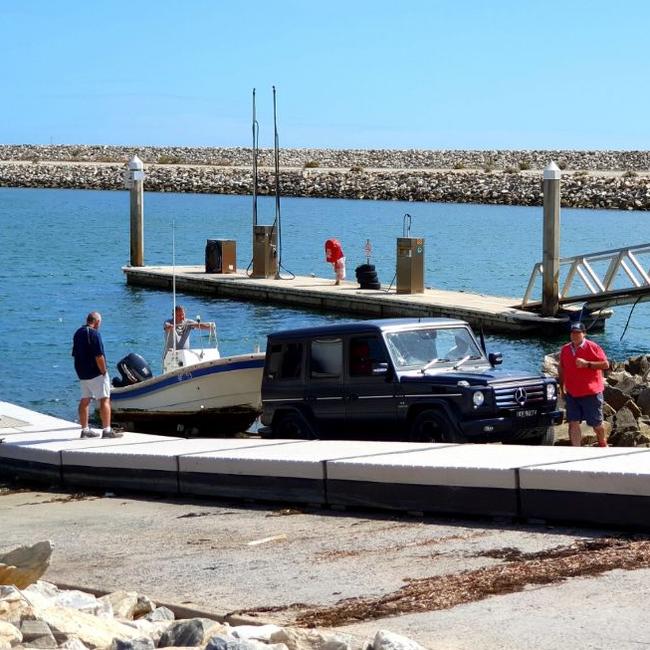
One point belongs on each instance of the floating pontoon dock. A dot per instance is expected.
(493, 313)
(577, 484)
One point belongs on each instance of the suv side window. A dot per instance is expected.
(366, 354)
(291, 367)
(326, 358)
(285, 361)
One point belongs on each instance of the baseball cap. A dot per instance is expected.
(578, 327)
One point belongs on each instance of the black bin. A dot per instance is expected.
(220, 256)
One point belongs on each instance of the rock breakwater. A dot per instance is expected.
(608, 179)
(338, 158)
(44, 616)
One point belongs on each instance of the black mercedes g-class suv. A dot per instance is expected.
(400, 379)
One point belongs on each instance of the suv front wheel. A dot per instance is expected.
(434, 426)
(292, 425)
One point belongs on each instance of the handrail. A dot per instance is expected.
(623, 264)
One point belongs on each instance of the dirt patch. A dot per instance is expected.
(326, 556)
(285, 512)
(12, 489)
(330, 556)
(511, 554)
(190, 515)
(584, 558)
(77, 496)
(8, 488)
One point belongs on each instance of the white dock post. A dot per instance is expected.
(551, 243)
(135, 183)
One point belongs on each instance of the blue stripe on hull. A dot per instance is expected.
(128, 392)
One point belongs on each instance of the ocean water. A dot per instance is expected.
(62, 252)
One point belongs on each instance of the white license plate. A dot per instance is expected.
(526, 413)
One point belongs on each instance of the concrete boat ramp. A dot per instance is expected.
(588, 485)
(494, 313)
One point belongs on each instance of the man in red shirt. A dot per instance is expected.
(581, 380)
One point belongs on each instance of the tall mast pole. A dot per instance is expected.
(278, 221)
(256, 130)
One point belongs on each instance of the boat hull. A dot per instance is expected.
(217, 397)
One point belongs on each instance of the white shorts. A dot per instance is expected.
(96, 388)
(339, 268)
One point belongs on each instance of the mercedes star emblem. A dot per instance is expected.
(520, 396)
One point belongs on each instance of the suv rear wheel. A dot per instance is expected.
(434, 426)
(292, 425)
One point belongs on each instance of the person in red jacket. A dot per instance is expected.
(334, 255)
(581, 381)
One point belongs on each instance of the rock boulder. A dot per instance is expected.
(25, 564)
(9, 635)
(385, 640)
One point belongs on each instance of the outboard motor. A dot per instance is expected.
(133, 369)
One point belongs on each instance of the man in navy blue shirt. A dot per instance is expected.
(90, 365)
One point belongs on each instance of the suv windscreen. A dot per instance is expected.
(420, 347)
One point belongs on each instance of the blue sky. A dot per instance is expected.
(426, 74)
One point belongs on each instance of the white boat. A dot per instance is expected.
(198, 393)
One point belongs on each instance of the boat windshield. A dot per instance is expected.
(428, 348)
(203, 344)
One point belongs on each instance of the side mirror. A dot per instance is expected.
(495, 358)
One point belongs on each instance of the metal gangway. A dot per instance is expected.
(599, 280)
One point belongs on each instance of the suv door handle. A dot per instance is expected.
(352, 396)
(310, 398)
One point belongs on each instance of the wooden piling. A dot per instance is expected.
(135, 181)
(551, 241)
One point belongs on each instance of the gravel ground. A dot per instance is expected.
(444, 582)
